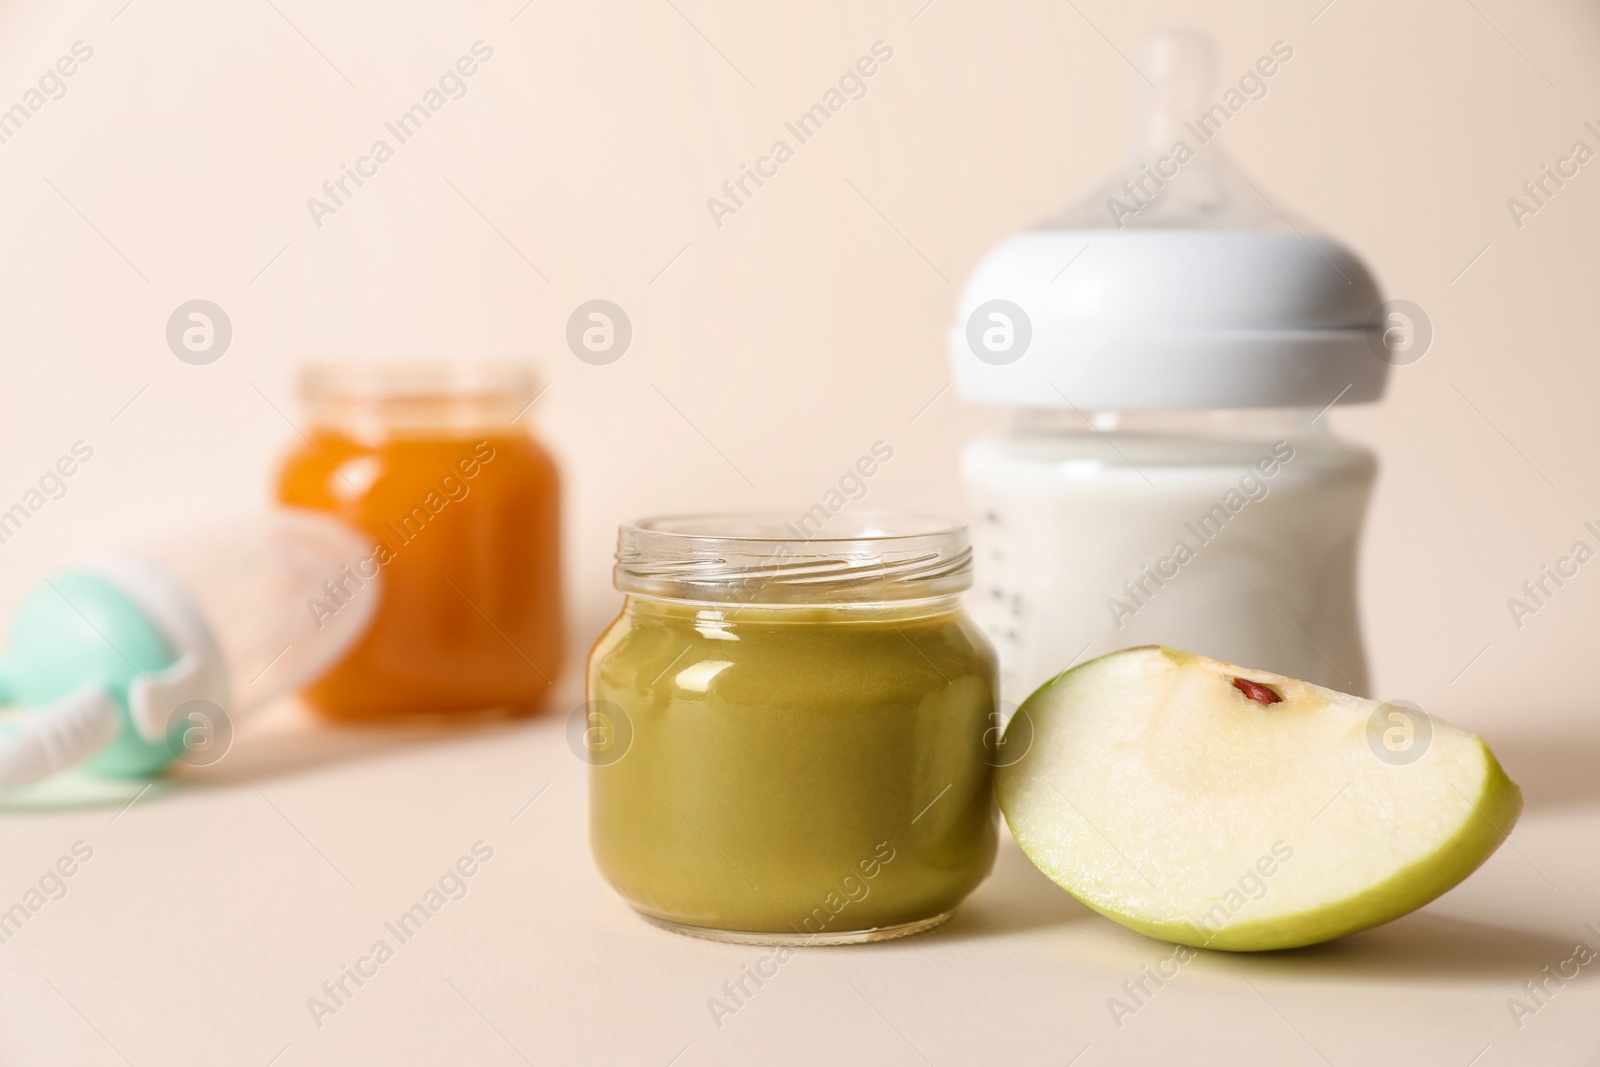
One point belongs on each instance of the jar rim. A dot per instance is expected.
(769, 558)
(410, 378)
(374, 396)
(757, 526)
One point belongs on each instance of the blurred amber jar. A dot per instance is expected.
(463, 509)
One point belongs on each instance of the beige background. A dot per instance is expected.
(768, 354)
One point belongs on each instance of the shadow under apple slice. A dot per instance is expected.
(1416, 947)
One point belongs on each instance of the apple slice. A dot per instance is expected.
(1220, 807)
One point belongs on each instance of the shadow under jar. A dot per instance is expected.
(787, 734)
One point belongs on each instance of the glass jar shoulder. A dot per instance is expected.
(785, 655)
(332, 467)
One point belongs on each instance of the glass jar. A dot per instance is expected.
(788, 735)
(1229, 533)
(462, 506)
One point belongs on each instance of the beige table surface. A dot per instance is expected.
(212, 909)
(770, 350)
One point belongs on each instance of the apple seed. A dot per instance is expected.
(1261, 694)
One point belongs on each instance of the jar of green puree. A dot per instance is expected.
(787, 731)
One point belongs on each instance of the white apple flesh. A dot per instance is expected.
(1227, 808)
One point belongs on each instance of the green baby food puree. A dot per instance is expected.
(803, 772)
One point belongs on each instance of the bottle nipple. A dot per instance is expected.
(1175, 173)
(1175, 73)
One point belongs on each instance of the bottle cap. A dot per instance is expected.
(1174, 282)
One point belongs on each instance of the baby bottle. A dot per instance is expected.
(130, 660)
(1172, 344)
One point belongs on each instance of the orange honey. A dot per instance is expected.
(463, 510)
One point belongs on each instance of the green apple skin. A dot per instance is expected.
(1497, 807)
